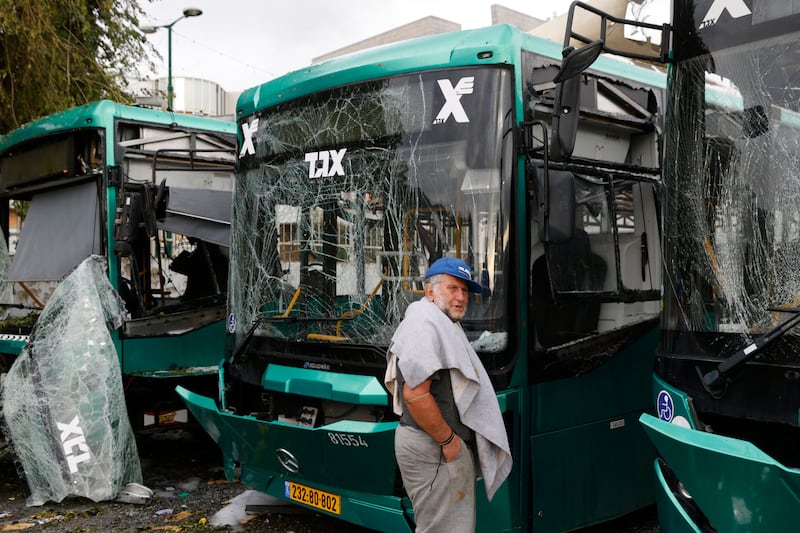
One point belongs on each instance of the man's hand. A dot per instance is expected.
(451, 450)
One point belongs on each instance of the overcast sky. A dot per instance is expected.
(242, 43)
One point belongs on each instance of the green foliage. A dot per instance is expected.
(56, 54)
(20, 207)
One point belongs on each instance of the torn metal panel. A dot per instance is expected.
(63, 402)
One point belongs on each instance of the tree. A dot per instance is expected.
(56, 54)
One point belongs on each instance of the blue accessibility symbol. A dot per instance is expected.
(231, 323)
(666, 409)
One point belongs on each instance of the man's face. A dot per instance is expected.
(450, 295)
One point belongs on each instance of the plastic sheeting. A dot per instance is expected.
(49, 247)
(63, 401)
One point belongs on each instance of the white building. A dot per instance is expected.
(190, 95)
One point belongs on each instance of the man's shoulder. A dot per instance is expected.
(423, 310)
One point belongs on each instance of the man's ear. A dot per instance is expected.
(429, 292)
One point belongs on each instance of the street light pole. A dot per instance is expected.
(169, 66)
(188, 12)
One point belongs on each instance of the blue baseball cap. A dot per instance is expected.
(456, 268)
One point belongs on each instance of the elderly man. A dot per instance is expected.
(449, 415)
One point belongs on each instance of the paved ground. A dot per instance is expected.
(190, 494)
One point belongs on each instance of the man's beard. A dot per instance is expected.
(440, 303)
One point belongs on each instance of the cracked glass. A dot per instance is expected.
(63, 401)
(350, 194)
(733, 197)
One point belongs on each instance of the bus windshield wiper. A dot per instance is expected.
(715, 382)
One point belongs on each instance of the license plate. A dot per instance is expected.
(320, 499)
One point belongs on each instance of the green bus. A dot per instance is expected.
(725, 384)
(148, 190)
(727, 368)
(353, 176)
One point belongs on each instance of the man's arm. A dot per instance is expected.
(423, 409)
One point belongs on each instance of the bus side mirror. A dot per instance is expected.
(555, 193)
(566, 108)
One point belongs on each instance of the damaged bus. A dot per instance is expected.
(726, 380)
(725, 386)
(150, 191)
(354, 176)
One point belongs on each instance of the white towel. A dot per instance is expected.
(427, 341)
(390, 380)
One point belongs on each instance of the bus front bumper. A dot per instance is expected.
(346, 470)
(703, 479)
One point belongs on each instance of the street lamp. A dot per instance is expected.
(188, 12)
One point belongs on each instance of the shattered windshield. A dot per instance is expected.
(733, 190)
(344, 198)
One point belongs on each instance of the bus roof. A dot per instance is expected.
(451, 49)
(102, 114)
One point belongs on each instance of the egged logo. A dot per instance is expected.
(452, 95)
(735, 8)
(248, 130)
(325, 163)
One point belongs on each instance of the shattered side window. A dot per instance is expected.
(350, 194)
(184, 265)
(733, 190)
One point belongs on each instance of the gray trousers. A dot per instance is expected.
(443, 494)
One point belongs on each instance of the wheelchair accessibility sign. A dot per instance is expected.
(665, 406)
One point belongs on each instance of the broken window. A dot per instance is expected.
(606, 276)
(171, 200)
(172, 225)
(733, 193)
(352, 193)
(51, 187)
